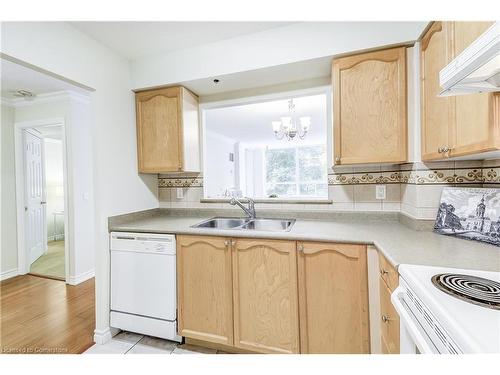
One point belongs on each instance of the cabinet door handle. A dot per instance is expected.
(300, 247)
(440, 150)
(226, 242)
(233, 243)
(337, 159)
(383, 272)
(386, 319)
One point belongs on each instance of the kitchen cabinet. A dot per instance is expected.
(273, 296)
(437, 113)
(333, 298)
(369, 107)
(389, 318)
(167, 130)
(477, 124)
(265, 296)
(204, 289)
(455, 125)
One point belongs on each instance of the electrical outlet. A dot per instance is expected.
(179, 193)
(380, 192)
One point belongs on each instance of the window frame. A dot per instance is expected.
(228, 100)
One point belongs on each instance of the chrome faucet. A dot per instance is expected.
(250, 211)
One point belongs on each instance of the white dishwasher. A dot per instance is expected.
(143, 284)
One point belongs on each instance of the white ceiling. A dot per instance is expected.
(14, 77)
(137, 39)
(251, 123)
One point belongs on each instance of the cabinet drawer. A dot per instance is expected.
(389, 321)
(388, 273)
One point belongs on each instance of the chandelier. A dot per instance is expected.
(288, 126)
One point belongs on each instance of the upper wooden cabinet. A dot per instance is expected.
(458, 125)
(369, 107)
(167, 131)
(265, 296)
(204, 289)
(333, 298)
(437, 112)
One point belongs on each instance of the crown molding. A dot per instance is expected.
(46, 98)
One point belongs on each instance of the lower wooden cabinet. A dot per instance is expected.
(389, 318)
(273, 296)
(204, 289)
(389, 322)
(265, 296)
(333, 298)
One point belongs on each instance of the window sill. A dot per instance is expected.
(271, 200)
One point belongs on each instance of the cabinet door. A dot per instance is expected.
(159, 143)
(437, 113)
(369, 101)
(475, 122)
(333, 298)
(389, 320)
(204, 287)
(265, 296)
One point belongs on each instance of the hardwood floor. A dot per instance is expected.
(51, 264)
(40, 315)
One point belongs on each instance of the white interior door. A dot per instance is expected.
(35, 205)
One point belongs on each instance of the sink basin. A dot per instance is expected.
(276, 225)
(222, 223)
(269, 224)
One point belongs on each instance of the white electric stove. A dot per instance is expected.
(448, 310)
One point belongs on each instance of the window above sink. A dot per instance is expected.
(250, 149)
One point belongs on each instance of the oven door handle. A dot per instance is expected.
(411, 324)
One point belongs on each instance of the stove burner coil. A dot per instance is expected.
(476, 290)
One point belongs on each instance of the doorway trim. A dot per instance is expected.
(22, 258)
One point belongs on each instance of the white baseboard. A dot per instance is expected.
(102, 336)
(8, 274)
(75, 280)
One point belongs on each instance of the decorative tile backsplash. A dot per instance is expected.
(415, 173)
(412, 188)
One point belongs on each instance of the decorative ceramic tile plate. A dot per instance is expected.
(470, 213)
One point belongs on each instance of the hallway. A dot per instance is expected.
(40, 315)
(52, 263)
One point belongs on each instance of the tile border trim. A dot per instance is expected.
(439, 176)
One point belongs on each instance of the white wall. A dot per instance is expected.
(118, 188)
(220, 170)
(8, 234)
(54, 184)
(283, 45)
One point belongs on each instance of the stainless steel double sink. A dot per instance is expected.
(274, 225)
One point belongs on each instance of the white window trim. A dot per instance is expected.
(324, 89)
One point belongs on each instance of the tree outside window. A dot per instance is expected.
(298, 172)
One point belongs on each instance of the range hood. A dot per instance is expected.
(476, 69)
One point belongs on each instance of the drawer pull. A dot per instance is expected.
(386, 319)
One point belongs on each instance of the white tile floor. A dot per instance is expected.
(133, 343)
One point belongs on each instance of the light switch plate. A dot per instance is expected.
(380, 192)
(179, 193)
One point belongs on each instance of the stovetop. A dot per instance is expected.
(477, 290)
(465, 302)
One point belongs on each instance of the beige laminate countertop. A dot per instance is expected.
(399, 243)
